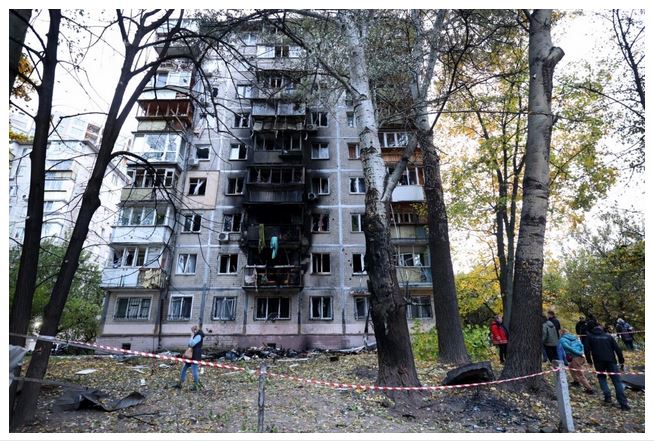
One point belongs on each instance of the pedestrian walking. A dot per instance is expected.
(604, 350)
(195, 343)
(550, 339)
(573, 354)
(626, 332)
(499, 336)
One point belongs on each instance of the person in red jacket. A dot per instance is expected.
(499, 336)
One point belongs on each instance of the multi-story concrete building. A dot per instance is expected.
(68, 167)
(249, 222)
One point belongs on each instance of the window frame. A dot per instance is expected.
(200, 188)
(228, 265)
(170, 316)
(193, 223)
(420, 308)
(231, 224)
(236, 180)
(322, 217)
(360, 183)
(186, 264)
(366, 308)
(322, 255)
(322, 153)
(242, 120)
(321, 180)
(129, 304)
(359, 217)
(268, 311)
(321, 306)
(224, 299)
(357, 151)
(319, 119)
(361, 263)
(203, 146)
(242, 148)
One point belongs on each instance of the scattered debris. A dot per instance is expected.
(470, 373)
(634, 382)
(76, 399)
(85, 371)
(164, 365)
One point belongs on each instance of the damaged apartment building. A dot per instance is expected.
(250, 222)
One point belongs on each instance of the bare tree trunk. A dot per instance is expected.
(524, 350)
(21, 310)
(26, 405)
(18, 21)
(388, 308)
(451, 346)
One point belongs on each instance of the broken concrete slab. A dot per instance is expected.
(470, 373)
(634, 382)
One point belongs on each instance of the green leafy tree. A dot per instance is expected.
(606, 278)
(79, 319)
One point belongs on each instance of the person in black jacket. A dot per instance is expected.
(604, 349)
(557, 324)
(582, 331)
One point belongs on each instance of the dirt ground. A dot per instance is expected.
(228, 401)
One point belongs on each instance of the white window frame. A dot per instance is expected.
(200, 188)
(320, 263)
(351, 119)
(171, 316)
(321, 306)
(225, 301)
(185, 269)
(242, 120)
(359, 184)
(318, 184)
(235, 151)
(393, 139)
(269, 312)
(244, 91)
(230, 227)
(230, 258)
(194, 219)
(320, 150)
(129, 304)
(420, 315)
(237, 180)
(319, 119)
(359, 217)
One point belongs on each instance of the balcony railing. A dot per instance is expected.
(262, 277)
(133, 277)
(413, 274)
(288, 233)
(141, 234)
(408, 193)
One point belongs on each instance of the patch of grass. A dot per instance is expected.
(425, 343)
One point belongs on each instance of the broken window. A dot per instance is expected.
(232, 222)
(352, 120)
(180, 308)
(197, 186)
(244, 92)
(241, 120)
(238, 152)
(320, 222)
(320, 185)
(321, 308)
(360, 308)
(320, 150)
(273, 308)
(357, 186)
(358, 266)
(281, 51)
(235, 186)
(202, 152)
(228, 264)
(319, 119)
(186, 263)
(224, 308)
(420, 307)
(192, 223)
(354, 151)
(320, 263)
(393, 139)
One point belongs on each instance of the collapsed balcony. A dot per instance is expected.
(266, 277)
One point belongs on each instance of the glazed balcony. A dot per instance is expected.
(131, 234)
(276, 277)
(414, 275)
(133, 278)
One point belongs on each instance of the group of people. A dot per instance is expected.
(596, 346)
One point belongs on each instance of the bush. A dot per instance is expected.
(425, 344)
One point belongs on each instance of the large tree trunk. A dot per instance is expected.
(524, 350)
(387, 307)
(18, 21)
(21, 310)
(451, 346)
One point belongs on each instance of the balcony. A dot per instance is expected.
(409, 235)
(141, 234)
(414, 275)
(288, 233)
(276, 277)
(147, 194)
(172, 110)
(133, 277)
(265, 107)
(408, 193)
(273, 197)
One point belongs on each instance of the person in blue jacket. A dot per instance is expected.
(571, 352)
(196, 343)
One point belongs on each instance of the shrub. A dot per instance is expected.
(425, 343)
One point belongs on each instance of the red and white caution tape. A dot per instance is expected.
(305, 380)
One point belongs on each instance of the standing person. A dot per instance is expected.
(580, 327)
(574, 351)
(626, 333)
(604, 349)
(550, 339)
(557, 324)
(196, 343)
(582, 332)
(499, 336)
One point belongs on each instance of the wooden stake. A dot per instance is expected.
(262, 397)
